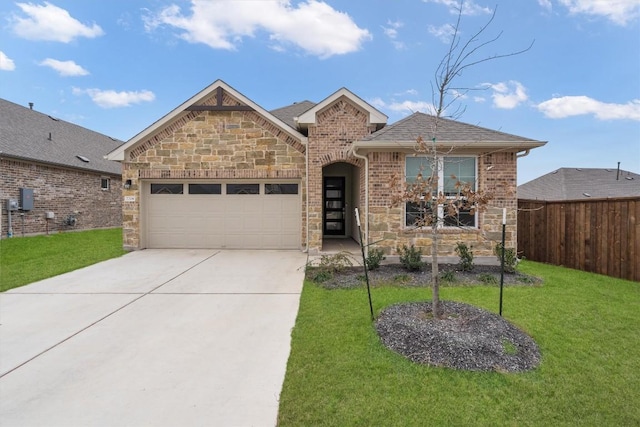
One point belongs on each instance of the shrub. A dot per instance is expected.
(488, 279)
(411, 258)
(510, 258)
(335, 263)
(448, 276)
(374, 257)
(466, 256)
(328, 266)
(401, 279)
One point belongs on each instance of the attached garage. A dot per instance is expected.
(250, 214)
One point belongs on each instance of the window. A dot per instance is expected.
(281, 189)
(205, 188)
(452, 173)
(166, 189)
(243, 188)
(105, 183)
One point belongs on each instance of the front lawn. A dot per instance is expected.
(25, 260)
(587, 327)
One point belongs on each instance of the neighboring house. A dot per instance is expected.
(219, 171)
(581, 184)
(57, 174)
(582, 218)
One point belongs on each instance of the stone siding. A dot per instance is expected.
(212, 145)
(61, 191)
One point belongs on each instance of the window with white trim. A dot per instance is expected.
(105, 183)
(451, 174)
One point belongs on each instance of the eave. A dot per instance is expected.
(459, 147)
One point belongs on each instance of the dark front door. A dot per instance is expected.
(334, 209)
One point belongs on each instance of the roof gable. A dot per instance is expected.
(309, 117)
(29, 135)
(211, 98)
(578, 183)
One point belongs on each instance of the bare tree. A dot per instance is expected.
(434, 206)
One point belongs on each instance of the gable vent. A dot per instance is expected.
(83, 158)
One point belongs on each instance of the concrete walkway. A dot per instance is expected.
(154, 338)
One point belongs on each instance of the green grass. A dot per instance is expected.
(587, 327)
(26, 260)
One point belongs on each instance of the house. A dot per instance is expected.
(55, 175)
(582, 218)
(581, 184)
(219, 171)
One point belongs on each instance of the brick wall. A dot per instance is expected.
(212, 145)
(61, 191)
(496, 174)
(336, 127)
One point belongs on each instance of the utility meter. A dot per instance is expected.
(12, 205)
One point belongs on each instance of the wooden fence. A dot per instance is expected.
(600, 236)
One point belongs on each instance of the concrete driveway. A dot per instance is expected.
(154, 338)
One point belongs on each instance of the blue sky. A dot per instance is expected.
(117, 66)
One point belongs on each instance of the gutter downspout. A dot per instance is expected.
(306, 182)
(352, 151)
(526, 153)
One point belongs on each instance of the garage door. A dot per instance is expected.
(233, 215)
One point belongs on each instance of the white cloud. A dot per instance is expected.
(469, 7)
(6, 63)
(508, 95)
(313, 26)
(443, 32)
(65, 68)
(620, 12)
(406, 106)
(49, 22)
(113, 99)
(412, 92)
(546, 4)
(568, 106)
(391, 31)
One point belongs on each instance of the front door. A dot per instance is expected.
(334, 208)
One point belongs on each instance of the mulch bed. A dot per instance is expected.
(395, 274)
(466, 338)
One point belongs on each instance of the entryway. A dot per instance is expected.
(340, 196)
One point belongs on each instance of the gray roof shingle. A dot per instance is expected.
(578, 183)
(422, 125)
(286, 114)
(24, 134)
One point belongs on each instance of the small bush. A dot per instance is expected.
(488, 279)
(448, 276)
(319, 276)
(411, 258)
(466, 256)
(335, 263)
(510, 258)
(374, 258)
(401, 279)
(328, 266)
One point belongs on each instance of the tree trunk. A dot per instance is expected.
(435, 276)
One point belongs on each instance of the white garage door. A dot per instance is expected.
(233, 215)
